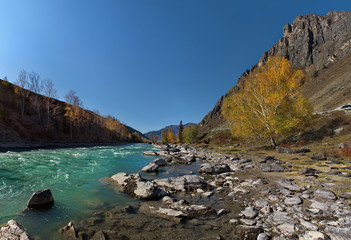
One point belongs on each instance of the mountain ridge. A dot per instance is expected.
(35, 127)
(312, 43)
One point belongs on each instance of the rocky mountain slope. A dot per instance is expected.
(35, 127)
(321, 46)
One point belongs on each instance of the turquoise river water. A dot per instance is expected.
(75, 177)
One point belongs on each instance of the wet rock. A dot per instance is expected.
(13, 231)
(106, 235)
(178, 160)
(166, 213)
(159, 162)
(324, 194)
(289, 184)
(150, 168)
(137, 187)
(214, 168)
(69, 231)
(41, 199)
(153, 153)
(247, 232)
(186, 183)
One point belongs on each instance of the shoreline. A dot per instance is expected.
(223, 196)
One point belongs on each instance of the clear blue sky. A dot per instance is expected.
(150, 63)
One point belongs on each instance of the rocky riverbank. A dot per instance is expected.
(199, 194)
(229, 197)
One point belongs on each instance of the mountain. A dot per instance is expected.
(174, 128)
(319, 45)
(133, 130)
(25, 122)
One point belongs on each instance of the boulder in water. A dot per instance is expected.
(138, 187)
(41, 199)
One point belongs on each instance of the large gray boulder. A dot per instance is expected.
(41, 199)
(289, 184)
(214, 168)
(186, 183)
(159, 162)
(176, 210)
(13, 231)
(138, 187)
(324, 194)
(150, 168)
(273, 167)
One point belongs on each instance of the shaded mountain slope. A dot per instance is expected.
(321, 46)
(36, 127)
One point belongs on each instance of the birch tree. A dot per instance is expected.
(270, 103)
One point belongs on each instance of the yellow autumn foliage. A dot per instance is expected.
(270, 103)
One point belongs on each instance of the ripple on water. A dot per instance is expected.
(72, 174)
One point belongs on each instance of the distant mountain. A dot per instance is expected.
(321, 47)
(132, 130)
(174, 128)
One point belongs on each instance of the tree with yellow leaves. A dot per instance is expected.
(170, 136)
(270, 103)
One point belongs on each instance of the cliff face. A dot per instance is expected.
(313, 43)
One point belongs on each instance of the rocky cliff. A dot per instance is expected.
(316, 44)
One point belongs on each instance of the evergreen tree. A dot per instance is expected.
(180, 133)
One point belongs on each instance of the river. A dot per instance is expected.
(76, 178)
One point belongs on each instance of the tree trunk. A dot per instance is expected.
(274, 144)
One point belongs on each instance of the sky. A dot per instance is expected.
(149, 63)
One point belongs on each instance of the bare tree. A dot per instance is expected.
(74, 110)
(22, 82)
(36, 99)
(50, 92)
(34, 82)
